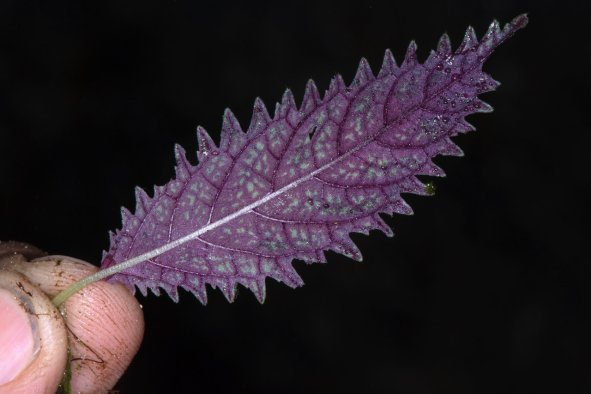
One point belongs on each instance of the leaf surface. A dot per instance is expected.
(297, 183)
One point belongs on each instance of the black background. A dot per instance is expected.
(485, 289)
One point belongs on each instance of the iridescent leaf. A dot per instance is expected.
(297, 183)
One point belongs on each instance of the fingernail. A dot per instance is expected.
(17, 339)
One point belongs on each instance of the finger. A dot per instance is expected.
(105, 322)
(9, 249)
(33, 339)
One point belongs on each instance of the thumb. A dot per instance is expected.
(33, 338)
(103, 325)
(105, 322)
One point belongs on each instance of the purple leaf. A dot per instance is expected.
(298, 182)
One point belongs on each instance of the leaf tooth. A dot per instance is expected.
(320, 257)
(382, 226)
(159, 191)
(431, 169)
(470, 40)
(493, 83)
(201, 296)
(410, 58)
(463, 126)
(230, 129)
(337, 85)
(362, 229)
(206, 144)
(287, 104)
(486, 84)
(306, 257)
(183, 167)
(491, 38)
(143, 288)
(141, 201)
(197, 287)
(444, 46)
(347, 248)
(343, 243)
(433, 59)
(414, 186)
(363, 74)
(260, 117)
(399, 206)
(287, 99)
(112, 241)
(229, 290)
(258, 288)
(355, 253)
(449, 148)
(311, 97)
(125, 216)
(171, 290)
(289, 276)
(389, 65)
(179, 154)
(260, 108)
(481, 106)
(261, 292)
(155, 290)
(229, 123)
(494, 29)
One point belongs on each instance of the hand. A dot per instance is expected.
(102, 325)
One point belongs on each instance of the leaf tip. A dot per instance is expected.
(520, 21)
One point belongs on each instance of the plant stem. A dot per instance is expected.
(59, 299)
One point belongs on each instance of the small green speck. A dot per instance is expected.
(430, 188)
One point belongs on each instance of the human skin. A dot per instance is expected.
(102, 325)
